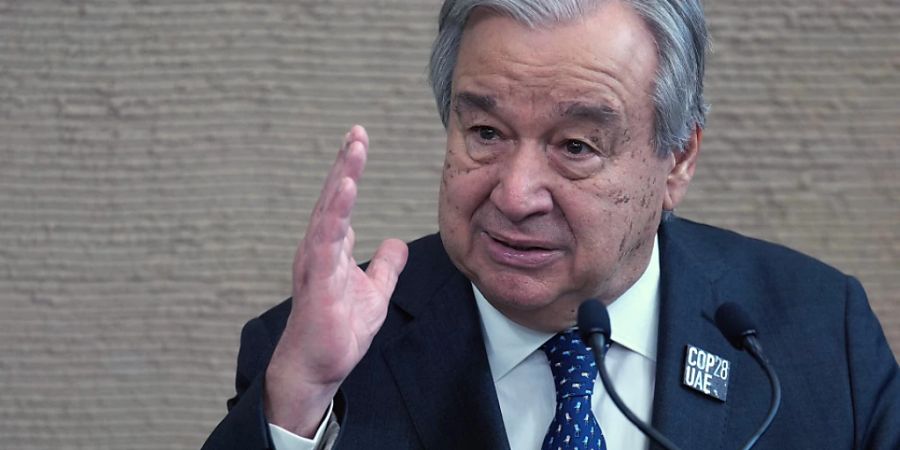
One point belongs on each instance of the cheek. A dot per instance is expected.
(464, 186)
(463, 189)
(453, 176)
(643, 212)
(617, 214)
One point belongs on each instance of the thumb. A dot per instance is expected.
(386, 265)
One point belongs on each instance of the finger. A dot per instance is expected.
(350, 164)
(326, 240)
(349, 241)
(340, 167)
(334, 173)
(355, 160)
(337, 205)
(386, 265)
(330, 221)
(344, 166)
(359, 133)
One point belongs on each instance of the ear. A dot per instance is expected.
(682, 171)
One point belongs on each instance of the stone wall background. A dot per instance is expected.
(158, 160)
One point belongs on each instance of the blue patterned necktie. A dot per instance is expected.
(574, 426)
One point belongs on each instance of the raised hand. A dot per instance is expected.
(337, 307)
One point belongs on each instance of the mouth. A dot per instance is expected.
(521, 246)
(520, 253)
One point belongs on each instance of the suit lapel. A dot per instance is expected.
(688, 300)
(439, 363)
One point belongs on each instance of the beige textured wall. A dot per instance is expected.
(158, 159)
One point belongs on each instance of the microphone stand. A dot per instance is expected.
(598, 346)
(751, 344)
(741, 332)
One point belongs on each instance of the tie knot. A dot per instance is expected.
(572, 364)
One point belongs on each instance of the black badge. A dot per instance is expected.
(706, 372)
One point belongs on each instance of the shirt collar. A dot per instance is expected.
(633, 317)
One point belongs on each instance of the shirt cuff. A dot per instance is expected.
(285, 440)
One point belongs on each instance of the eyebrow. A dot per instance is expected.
(469, 100)
(593, 113)
(601, 114)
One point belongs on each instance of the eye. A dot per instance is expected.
(576, 159)
(577, 147)
(487, 133)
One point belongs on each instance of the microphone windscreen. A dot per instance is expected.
(734, 323)
(593, 318)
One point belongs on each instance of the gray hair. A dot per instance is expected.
(678, 26)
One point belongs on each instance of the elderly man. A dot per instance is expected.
(573, 130)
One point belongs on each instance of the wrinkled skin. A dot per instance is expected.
(552, 191)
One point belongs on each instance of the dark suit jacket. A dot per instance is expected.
(425, 382)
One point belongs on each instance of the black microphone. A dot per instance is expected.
(739, 329)
(593, 326)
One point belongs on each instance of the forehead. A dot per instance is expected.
(608, 55)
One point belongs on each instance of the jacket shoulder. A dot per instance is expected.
(735, 251)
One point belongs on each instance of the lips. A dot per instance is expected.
(520, 253)
(520, 246)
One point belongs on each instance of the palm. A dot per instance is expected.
(337, 332)
(337, 307)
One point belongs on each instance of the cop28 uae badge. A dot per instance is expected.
(706, 372)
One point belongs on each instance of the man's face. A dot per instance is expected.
(551, 190)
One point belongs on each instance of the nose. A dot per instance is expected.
(522, 189)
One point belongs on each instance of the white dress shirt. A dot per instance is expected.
(524, 383)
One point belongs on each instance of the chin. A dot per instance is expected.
(535, 312)
(519, 293)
